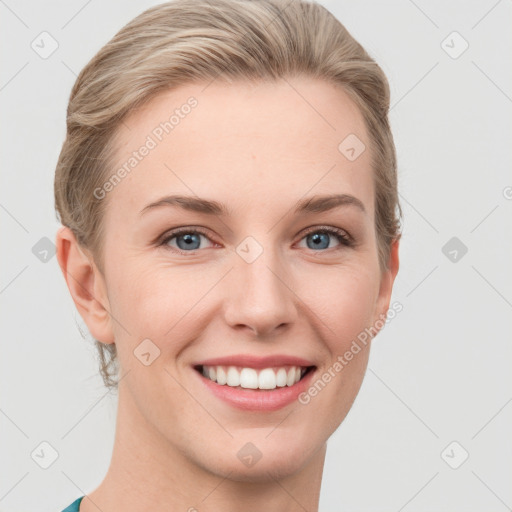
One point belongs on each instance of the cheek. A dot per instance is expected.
(343, 301)
(345, 305)
(157, 302)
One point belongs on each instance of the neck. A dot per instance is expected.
(147, 472)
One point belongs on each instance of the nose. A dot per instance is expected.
(261, 298)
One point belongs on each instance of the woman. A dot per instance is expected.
(228, 195)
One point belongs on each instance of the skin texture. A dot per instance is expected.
(258, 148)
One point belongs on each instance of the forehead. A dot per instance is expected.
(253, 139)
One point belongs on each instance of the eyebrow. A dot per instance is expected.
(315, 204)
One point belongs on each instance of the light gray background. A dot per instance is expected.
(439, 372)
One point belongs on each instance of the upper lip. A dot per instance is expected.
(249, 361)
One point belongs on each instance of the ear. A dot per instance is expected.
(86, 285)
(386, 284)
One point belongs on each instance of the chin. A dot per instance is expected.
(273, 468)
(261, 461)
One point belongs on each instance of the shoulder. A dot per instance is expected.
(74, 506)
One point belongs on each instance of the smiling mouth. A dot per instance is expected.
(266, 379)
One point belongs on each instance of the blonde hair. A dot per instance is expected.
(182, 41)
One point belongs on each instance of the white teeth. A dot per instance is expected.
(221, 375)
(290, 380)
(281, 378)
(267, 379)
(250, 378)
(233, 377)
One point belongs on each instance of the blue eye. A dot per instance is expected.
(318, 238)
(186, 240)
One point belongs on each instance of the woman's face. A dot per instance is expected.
(263, 281)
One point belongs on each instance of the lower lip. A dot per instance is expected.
(258, 399)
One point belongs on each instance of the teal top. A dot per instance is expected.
(74, 506)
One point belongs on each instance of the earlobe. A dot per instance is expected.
(86, 285)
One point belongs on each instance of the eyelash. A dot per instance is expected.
(342, 237)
